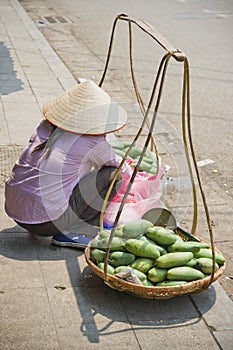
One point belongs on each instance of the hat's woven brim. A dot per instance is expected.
(85, 109)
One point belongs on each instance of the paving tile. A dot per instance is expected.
(18, 245)
(62, 268)
(94, 318)
(29, 306)
(97, 305)
(47, 251)
(112, 335)
(158, 310)
(67, 83)
(31, 117)
(25, 336)
(25, 95)
(41, 80)
(9, 227)
(20, 274)
(220, 315)
(19, 267)
(177, 336)
(225, 339)
(61, 273)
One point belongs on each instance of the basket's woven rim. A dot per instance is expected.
(155, 292)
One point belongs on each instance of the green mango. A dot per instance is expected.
(205, 265)
(135, 152)
(161, 249)
(161, 235)
(134, 229)
(116, 244)
(147, 283)
(110, 269)
(184, 273)
(157, 274)
(207, 253)
(169, 283)
(97, 255)
(119, 258)
(174, 259)
(141, 248)
(142, 264)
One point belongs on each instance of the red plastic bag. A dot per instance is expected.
(145, 194)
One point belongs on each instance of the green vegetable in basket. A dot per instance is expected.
(142, 264)
(134, 229)
(174, 259)
(161, 235)
(192, 263)
(97, 255)
(120, 152)
(153, 170)
(118, 258)
(161, 249)
(104, 233)
(147, 158)
(126, 144)
(143, 249)
(119, 231)
(118, 145)
(147, 283)
(205, 265)
(116, 244)
(207, 253)
(181, 246)
(110, 269)
(135, 152)
(144, 166)
(170, 283)
(94, 243)
(121, 268)
(157, 274)
(184, 273)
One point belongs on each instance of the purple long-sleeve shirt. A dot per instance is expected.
(40, 185)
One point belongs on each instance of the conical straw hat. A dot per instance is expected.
(85, 109)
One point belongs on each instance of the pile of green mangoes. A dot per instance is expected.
(157, 256)
(149, 162)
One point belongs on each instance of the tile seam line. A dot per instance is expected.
(37, 35)
(50, 306)
(130, 323)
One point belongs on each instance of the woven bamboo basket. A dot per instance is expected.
(154, 292)
(157, 292)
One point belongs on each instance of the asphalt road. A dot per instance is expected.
(79, 32)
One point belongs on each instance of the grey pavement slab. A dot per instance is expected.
(26, 320)
(29, 336)
(50, 299)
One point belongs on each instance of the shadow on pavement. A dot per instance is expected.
(8, 76)
(101, 311)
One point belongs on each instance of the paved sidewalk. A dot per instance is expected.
(49, 297)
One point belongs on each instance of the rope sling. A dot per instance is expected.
(156, 93)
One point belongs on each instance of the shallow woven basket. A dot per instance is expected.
(155, 292)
